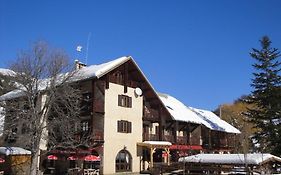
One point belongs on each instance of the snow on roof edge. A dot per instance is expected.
(254, 159)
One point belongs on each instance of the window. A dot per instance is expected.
(123, 161)
(124, 101)
(85, 126)
(124, 126)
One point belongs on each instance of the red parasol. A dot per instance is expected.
(52, 157)
(92, 158)
(72, 158)
(2, 160)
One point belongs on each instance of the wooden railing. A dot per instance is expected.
(150, 137)
(169, 138)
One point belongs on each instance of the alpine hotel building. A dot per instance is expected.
(132, 126)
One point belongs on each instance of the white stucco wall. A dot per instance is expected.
(114, 141)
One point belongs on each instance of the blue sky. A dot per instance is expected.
(197, 51)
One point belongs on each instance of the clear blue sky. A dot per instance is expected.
(197, 51)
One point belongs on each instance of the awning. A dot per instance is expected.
(186, 147)
(92, 158)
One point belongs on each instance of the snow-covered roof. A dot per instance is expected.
(178, 110)
(214, 122)
(14, 151)
(101, 69)
(181, 112)
(82, 74)
(7, 72)
(238, 159)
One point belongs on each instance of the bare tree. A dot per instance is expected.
(43, 110)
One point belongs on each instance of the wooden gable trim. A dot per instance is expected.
(125, 73)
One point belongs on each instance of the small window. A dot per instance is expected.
(124, 126)
(124, 101)
(85, 126)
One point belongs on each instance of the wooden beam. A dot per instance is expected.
(93, 105)
(171, 123)
(125, 73)
(107, 81)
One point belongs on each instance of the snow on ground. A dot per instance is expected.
(251, 159)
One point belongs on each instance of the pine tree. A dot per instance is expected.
(266, 97)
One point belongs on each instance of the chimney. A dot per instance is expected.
(79, 65)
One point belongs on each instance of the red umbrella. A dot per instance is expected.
(72, 158)
(2, 160)
(92, 158)
(52, 157)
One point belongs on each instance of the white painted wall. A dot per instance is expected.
(114, 141)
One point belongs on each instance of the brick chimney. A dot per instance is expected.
(79, 65)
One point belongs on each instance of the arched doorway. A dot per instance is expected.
(123, 161)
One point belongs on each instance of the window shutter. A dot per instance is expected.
(119, 100)
(129, 127)
(130, 102)
(119, 126)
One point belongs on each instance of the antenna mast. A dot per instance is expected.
(87, 50)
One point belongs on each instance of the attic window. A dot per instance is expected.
(169, 107)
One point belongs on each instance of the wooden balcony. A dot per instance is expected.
(150, 137)
(150, 114)
(169, 138)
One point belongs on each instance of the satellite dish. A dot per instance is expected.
(138, 91)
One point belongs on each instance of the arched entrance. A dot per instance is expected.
(123, 161)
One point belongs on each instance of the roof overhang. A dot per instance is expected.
(155, 144)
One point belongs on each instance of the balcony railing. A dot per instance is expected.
(150, 137)
(169, 138)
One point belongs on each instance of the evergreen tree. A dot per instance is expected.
(266, 97)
